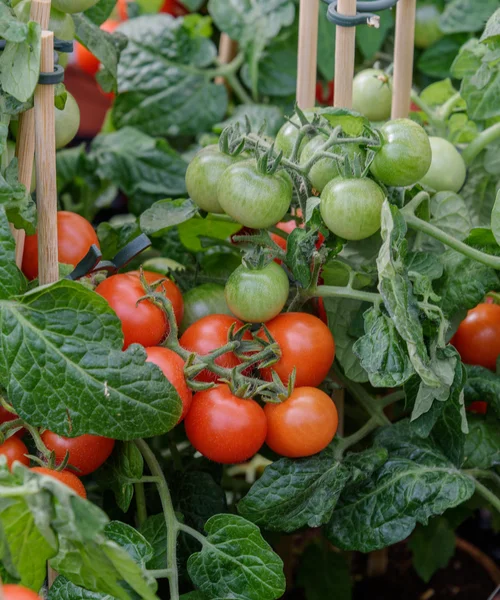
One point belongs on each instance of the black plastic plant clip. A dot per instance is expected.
(91, 262)
(361, 17)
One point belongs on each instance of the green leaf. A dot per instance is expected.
(436, 61)
(19, 206)
(352, 122)
(425, 264)
(145, 168)
(468, 60)
(101, 11)
(154, 529)
(257, 114)
(479, 192)
(466, 15)
(342, 312)
(449, 213)
(396, 290)
(482, 446)
(164, 86)
(299, 250)
(191, 231)
(113, 236)
(105, 46)
(94, 387)
(62, 589)
(416, 483)
(373, 38)
(382, 352)
(296, 493)
(235, 561)
(464, 284)
(483, 385)
(12, 281)
(20, 64)
(120, 471)
(495, 219)
(136, 545)
(11, 29)
(491, 33)
(165, 214)
(199, 497)
(324, 573)
(432, 547)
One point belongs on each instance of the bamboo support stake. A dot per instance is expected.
(403, 58)
(227, 51)
(45, 154)
(308, 53)
(25, 149)
(344, 57)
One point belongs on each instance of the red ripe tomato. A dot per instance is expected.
(480, 407)
(478, 336)
(86, 452)
(84, 58)
(306, 343)
(302, 425)
(6, 416)
(225, 428)
(75, 235)
(142, 323)
(325, 96)
(65, 477)
(14, 449)
(172, 367)
(11, 591)
(208, 334)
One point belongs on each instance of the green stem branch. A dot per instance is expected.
(140, 501)
(372, 424)
(479, 144)
(487, 494)
(160, 573)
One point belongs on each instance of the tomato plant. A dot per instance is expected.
(73, 6)
(75, 236)
(253, 198)
(172, 366)
(14, 450)
(478, 336)
(86, 61)
(86, 453)
(302, 425)
(427, 29)
(306, 346)
(142, 321)
(211, 333)
(405, 156)
(257, 295)
(351, 208)
(372, 94)
(65, 477)
(225, 428)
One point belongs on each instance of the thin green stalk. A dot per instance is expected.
(140, 501)
(370, 404)
(40, 446)
(392, 398)
(333, 291)
(479, 144)
(160, 573)
(484, 474)
(447, 108)
(193, 533)
(169, 514)
(431, 117)
(174, 452)
(372, 424)
(487, 494)
(238, 88)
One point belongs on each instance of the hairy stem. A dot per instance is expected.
(487, 494)
(479, 144)
(333, 291)
(372, 424)
(238, 89)
(169, 514)
(140, 501)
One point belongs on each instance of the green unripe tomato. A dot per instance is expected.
(252, 198)
(11, 153)
(447, 172)
(351, 208)
(326, 169)
(405, 156)
(285, 139)
(67, 122)
(203, 174)
(201, 301)
(372, 94)
(257, 295)
(73, 6)
(427, 29)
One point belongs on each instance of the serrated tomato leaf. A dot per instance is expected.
(482, 445)
(12, 281)
(62, 365)
(236, 562)
(483, 385)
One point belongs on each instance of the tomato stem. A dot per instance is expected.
(160, 573)
(40, 446)
(479, 144)
(334, 291)
(487, 494)
(372, 424)
(140, 501)
(169, 514)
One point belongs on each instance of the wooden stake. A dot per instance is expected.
(25, 149)
(308, 53)
(403, 58)
(227, 51)
(45, 153)
(344, 57)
